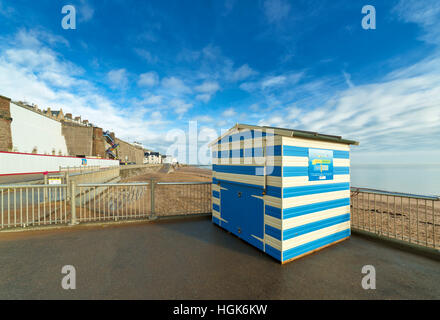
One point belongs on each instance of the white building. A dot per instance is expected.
(151, 157)
(169, 159)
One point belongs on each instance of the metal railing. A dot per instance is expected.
(407, 217)
(113, 201)
(411, 218)
(32, 205)
(35, 205)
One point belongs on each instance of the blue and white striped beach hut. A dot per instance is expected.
(287, 192)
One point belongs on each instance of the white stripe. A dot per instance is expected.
(315, 235)
(216, 201)
(314, 217)
(304, 181)
(314, 198)
(273, 222)
(215, 187)
(275, 243)
(306, 143)
(273, 201)
(248, 143)
(244, 178)
(249, 161)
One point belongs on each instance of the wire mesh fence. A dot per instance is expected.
(411, 218)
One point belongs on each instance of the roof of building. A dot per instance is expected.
(288, 133)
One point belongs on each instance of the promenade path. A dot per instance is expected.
(193, 259)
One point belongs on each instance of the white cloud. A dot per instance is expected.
(180, 107)
(229, 113)
(397, 113)
(205, 97)
(39, 76)
(276, 10)
(273, 81)
(269, 83)
(208, 87)
(146, 55)
(148, 79)
(204, 119)
(175, 85)
(207, 90)
(242, 73)
(85, 11)
(347, 78)
(425, 13)
(118, 78)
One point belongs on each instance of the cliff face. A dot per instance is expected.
(5, 124)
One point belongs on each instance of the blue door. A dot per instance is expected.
(242, 208)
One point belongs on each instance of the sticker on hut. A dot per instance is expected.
(320, 164)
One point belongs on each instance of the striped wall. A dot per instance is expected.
(299, 215)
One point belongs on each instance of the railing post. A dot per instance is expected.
(73, 203)
(152, 196)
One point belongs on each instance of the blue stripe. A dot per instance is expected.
(214, 180)
(273, 252)
(273, 191)
(272, 171)
(314, 207)
(295, 171)
(273, 232)
(247, 170)
(273, 212)
(304, 171)
(216, 207)
(216, 220)
(341, 170)
(248, 152)
(216, 194)
(314, 189)
(295, 151)
(294, 252)
(317, 225)
(337, 154)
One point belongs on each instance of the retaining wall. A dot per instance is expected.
(24, 163)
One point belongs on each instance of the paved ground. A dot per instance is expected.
(22, 178)
(193, 259)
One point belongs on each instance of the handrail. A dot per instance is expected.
(22, 186)
(397, 194)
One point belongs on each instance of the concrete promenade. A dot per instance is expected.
(193, 259)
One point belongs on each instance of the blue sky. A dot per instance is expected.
(143, 68)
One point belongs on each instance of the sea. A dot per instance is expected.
(420, 179)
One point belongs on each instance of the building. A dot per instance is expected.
(287, 192)
(151, 157)
(25, 128)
